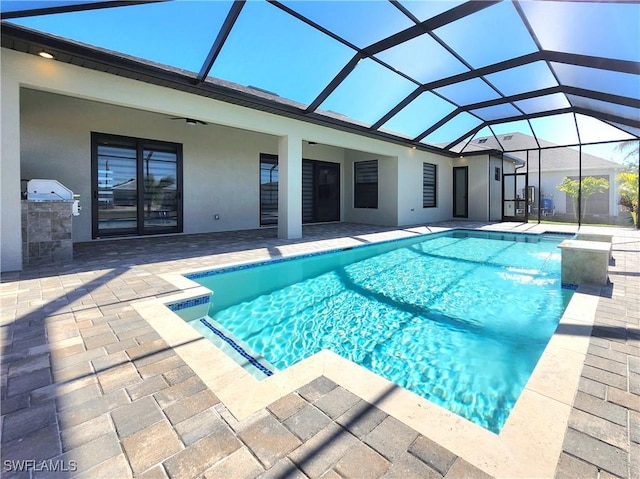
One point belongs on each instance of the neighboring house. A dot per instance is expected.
(125, 194)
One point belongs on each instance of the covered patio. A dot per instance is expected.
(399, 113)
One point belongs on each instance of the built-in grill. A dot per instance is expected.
(52, 190)
(47, 213)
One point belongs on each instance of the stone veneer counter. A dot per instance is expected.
(46, 231)
(585, 261)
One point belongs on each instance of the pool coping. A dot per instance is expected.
(528, 445)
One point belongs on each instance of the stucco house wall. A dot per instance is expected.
(49, 110)
(387, 211)
(221, 164)
(410, 210)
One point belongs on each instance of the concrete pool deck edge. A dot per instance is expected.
(529, 444)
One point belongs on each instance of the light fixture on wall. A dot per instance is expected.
(46, 54)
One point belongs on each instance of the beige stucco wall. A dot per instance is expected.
(220, 164)
(48, 135)
(478, 197)
(410, 210)
(387, 211)
(10, 208)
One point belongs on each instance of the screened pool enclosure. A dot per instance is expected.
(553, 87)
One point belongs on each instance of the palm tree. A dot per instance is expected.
(631, 147)
(154, 191)
(589, 186)
(628, 180)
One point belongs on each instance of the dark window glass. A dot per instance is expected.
(428, 185)
(136, 186)
(366, 184)
(159, 173)
(268, 190)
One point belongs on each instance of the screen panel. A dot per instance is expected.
(178, 34)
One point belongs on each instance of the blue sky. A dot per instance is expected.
(272, 50)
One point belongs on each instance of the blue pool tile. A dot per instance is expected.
(237, 348)
(189, 303)
(527, 237)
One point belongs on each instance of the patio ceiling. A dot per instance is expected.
(432, 74)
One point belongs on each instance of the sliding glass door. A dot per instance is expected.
(320, 191)
(160, 192)
(268, 190)
(136, 186)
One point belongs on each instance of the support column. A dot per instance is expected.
(289, 187)
(10, 199)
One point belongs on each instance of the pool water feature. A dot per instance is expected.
(460, 318)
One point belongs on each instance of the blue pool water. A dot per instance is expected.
(459, 318)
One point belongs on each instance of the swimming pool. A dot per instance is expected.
(458, 318)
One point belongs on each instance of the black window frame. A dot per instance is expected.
(139, 144)
(270, 217)
(365, 193)
(429, 180)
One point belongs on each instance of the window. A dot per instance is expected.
(365, 184)
(268, 190)
(482, 140)
(429, 185)
(496, 173)
(137, 186)
(507, 137)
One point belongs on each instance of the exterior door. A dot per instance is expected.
(515, 194)
(460, 192)
(326, 191)
(320, 191)
(160, 193)
(136, 186)
(115, 198)
(268, 190)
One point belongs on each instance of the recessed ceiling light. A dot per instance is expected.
(46, 54)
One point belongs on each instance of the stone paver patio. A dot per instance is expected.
(90, 387)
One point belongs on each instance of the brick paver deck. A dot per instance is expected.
(87, 381)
